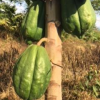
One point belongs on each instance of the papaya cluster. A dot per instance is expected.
(77, 16)
(32, 27)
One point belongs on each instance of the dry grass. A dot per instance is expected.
(78, 57)
(9, 52)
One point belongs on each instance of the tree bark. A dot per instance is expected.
(54, 49)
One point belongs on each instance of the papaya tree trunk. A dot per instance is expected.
(54, 48)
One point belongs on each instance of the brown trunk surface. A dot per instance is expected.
(54, 49)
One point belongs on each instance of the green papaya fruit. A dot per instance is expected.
(77, 16)
(32, 72)
(33, 23)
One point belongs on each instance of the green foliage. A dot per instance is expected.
(91, 82)
(96, 4)
(65, 35)
(6, 11)
(92, 35)
(8, 19)
(20, 1)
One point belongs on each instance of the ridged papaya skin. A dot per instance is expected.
(32, 26)
(32, 72)
(77, 16)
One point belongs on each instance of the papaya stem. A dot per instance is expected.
(42, 40)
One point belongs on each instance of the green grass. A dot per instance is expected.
(92, 35)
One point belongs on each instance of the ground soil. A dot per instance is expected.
(78, 56)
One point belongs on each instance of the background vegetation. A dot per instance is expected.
(81, 57)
